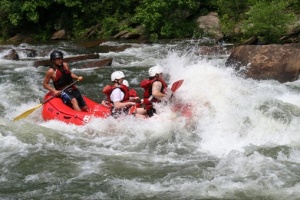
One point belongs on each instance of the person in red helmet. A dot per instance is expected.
(61, 76)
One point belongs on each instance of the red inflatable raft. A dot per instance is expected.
(55, 109)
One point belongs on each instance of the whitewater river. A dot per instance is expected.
(242, 142)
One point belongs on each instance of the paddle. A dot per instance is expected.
(175, 87)
(132, 110)
(28, 112)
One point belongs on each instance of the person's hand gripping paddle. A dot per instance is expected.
(28, 112)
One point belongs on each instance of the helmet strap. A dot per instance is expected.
(116, 81)
(119, 82)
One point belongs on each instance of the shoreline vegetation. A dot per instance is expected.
(249, 21)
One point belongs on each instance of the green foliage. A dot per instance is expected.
(166, 18)
(19, 10)
(268, 21)
(29, 9)
(231, 12)
(109, 26)
(70, 3)
(227, 25)
(232, 8)
(294, 5)
(41, 35)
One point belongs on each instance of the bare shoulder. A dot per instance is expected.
(66, 65)
(50, 70)
(157, 85)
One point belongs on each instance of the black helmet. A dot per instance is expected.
(56, 54)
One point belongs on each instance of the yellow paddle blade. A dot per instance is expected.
(26, 113)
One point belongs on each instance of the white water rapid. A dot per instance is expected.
(242, 142)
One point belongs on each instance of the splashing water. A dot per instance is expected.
(241, 142)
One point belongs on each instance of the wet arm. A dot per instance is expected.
(46, 82)
(156, 90)
(120, 105)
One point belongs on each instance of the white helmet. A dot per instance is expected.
(155, 70)
(125, 82)
(117, 75)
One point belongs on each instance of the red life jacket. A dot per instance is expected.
(108, 89)
(147, 85)
(63, 77)
(132, 93)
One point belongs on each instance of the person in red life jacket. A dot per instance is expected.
(118, 95)
(154, 89)
(61, 77)
(133, 96)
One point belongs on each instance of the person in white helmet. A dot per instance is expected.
(133, 95)
(118, 95)
(154, 88)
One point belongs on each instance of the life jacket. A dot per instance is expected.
(147, 85)
(63, 78)
(108, 89)
(132, 93)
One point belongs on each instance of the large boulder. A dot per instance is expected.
(19, 38)
(210, 23)
(261, 62)
(12, 55)
(59, 35)
(216, 50)
(126, 35)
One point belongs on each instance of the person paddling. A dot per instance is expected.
(154, 89)
(118, 95)
(61, 77)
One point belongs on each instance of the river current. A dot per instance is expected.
(242, 142)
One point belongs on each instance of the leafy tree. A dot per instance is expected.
(160, 18)
(267, 21)
(294, 5)
(166, 18)
(113, 16)
(18, 14)
(35, 15)
(233, 9)
(231, 12)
